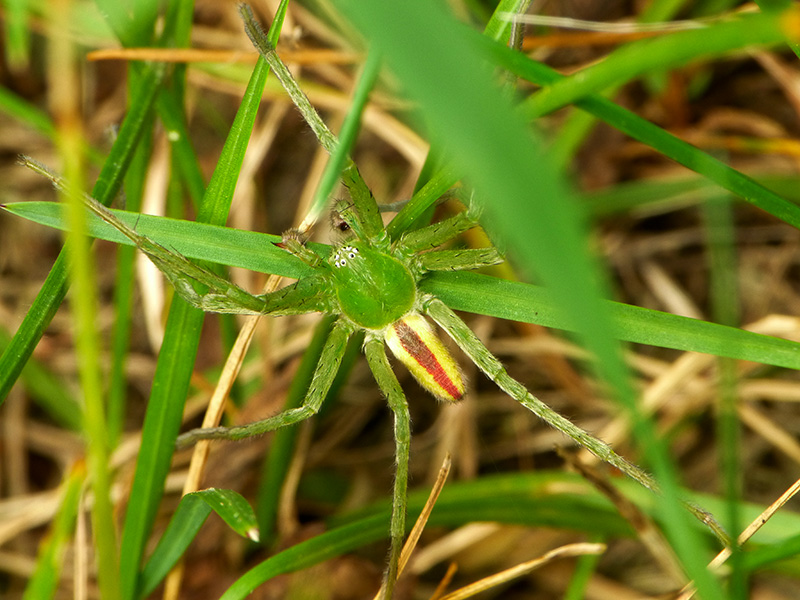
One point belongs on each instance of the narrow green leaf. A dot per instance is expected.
(233, 509)
(665, 52)
(186, 521)
(201, 241)
(55, 286)
(481, 294)
(45, 579)
(176, 359)
(646, 132)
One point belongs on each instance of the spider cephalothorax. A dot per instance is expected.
(373, 289)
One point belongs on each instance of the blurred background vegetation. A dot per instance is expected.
(653, 225)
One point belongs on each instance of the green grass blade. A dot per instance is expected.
(182, 529)
(471, 292)
(176, 359)
(200, 241)
(49, 562)
(55, 286)
(669, 51)
(655, 137)
(481, 294)
(48, 391)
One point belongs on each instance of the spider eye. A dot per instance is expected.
(341, 256)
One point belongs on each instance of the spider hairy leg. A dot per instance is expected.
(493, 368)
(294, 241)
(387, 381)
(326, 370)
(464, 259)
(434, 235)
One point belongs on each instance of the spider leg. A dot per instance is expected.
(493, 368)
(326, 370)
(465, 259)
(387, 381)
(436, 234)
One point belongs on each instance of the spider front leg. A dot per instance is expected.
(464, 337)
(326, 370)
(387, 381)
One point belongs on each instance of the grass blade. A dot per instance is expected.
(55, 286)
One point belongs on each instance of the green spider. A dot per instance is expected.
(371, 284)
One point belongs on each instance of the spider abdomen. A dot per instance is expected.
(374, 289)
(414, 342)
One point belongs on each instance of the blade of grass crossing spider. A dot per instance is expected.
(55, 286)
(488, 144)
(347, 137)
(50, 560)
(176, 359)
(387, 381)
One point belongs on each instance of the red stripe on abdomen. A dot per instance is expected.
(417, 348)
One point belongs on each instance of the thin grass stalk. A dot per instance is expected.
(62, 65)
